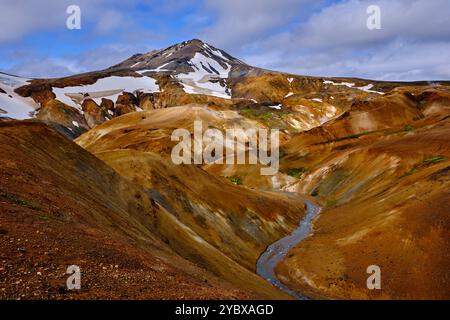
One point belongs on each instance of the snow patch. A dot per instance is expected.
(215, 52)
(160, 68)
(105, 87)
(137, 63)
(367, 89)
(12, 81)
(289, 94)
(206, 77)
(13, 105)
(352, 85)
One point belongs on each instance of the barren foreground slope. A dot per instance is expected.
(61, 206)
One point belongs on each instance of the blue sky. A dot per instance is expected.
(312, 37)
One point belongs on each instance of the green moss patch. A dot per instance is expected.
(235, 180)
(20, 201)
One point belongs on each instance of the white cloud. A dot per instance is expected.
(413, 44)
(238, 22)
(20, 18)
(394, 61)
(108, 21)
(344, 24)
(299, 36)
(36, 66)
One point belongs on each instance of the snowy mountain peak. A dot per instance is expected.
(198, 66)
(185, 57)
(193, 67)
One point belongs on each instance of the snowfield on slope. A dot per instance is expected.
(215, 52)
(109, 87)
(206, 77)
(278, 106)
(13, 105)
(352, 85)
(289, 94)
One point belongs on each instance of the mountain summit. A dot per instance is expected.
(186, 57)
(192, 71)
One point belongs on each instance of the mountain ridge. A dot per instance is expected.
(374, 155)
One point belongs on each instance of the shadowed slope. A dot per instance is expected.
(61, 206)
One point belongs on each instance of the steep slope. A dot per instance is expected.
(189, 57)
(386, 204)
(12, 105)
(62, 206)
(367, 167)
(385, 197)
(238, 221)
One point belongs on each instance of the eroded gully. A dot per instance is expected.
(277, 251)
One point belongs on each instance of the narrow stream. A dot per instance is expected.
(278, 250)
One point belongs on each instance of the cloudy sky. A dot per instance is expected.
(311, 37)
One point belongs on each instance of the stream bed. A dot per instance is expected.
(277, 251)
